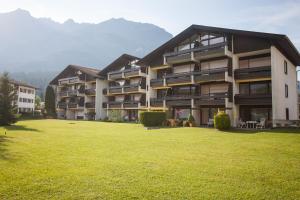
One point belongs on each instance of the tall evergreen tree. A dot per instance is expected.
(8, 107)
(50, 102)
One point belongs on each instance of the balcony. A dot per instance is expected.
(115, 75)
(156, 83)
(115, 90)
(156, 102)
(69, 93)
(253, 99)
(134, 72)
(178, 57)
(178, 100)
(90, 105)
(71, 80)
(63, 94)
(90, 92)
(74, 105)
(212, 99)
(72, 93)
(180, 78)
(204, 52)
(115, 104)
(131, 104)
(131, 88)
(211, 75)
(62, 105)
(261, 73)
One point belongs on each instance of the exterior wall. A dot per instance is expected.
(26, 105)
(279, 79)
(100, 99)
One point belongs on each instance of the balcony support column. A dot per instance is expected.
(195, 112)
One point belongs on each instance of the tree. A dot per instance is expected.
(50, 102)
(37, 102)
(8, 96)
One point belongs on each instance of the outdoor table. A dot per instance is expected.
(251, 124)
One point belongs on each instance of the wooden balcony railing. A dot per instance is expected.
(90, 92)
(157, 82)
(62, 105)
(253, 99)
(131, 88)
(115, 89)
(178, 78)
(217, 74)
(115, 75)
(90, 104)
(211, 99)
(253, 73)
(195, 53)
(156, 102)
(114, 104)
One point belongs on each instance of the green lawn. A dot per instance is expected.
(52, 159)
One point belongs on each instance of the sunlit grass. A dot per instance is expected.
(52, 159)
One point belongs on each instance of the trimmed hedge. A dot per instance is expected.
(150, 119)
(222, 121)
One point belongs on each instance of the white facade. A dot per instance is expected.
(25, 100)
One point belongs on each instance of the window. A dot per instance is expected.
(256, 88)
(286, 91)
(285, 67)
(244, 88)
(287, 114)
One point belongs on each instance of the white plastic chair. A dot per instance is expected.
(261, 124)
(242, 124)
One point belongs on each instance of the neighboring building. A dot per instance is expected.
(25, 99)
(126, 92)
(248, 75)
(76, 89)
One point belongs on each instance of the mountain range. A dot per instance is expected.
(40, 46)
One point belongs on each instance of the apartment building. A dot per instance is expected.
(249, 75)
(126, 91)
(25, 99)
(76, 88)
(203, 70)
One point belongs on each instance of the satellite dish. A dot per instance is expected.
(79, 72)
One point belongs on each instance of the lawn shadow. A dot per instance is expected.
(4, 154)
(20, 128)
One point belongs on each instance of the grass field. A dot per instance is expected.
(52, 159)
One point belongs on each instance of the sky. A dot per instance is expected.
(277, 16)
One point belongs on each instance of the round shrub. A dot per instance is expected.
(222, 121)
(151, 119)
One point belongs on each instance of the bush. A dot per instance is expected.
(150, 119)
(222, 121)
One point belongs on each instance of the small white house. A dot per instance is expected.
(25, 99)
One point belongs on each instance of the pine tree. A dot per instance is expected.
(50, 102)
(7, 101)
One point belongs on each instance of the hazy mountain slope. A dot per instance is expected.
(31, 44)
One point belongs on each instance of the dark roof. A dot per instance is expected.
(86, 70)
(20, 83)
(119, 62)
(281, 41)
